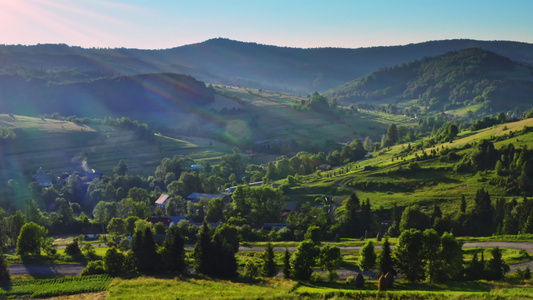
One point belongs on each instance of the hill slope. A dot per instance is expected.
(108, 96)
(457, 78)
(228, 62)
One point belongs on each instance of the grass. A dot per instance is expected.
(275, 288)
(387, 181)
(198, 288)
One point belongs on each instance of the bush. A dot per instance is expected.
(332, 276)
(251, 269)
(94, 267)
(350, 280)
(317, 277)
(73, 249)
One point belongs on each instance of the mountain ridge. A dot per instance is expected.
(462, 77)
(229, 62)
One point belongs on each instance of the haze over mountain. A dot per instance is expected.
(229, 62)
(455, 79)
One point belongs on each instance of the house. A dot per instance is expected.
(167, 221)
(42, 178)
(196, 168)
(91, 233)
(324, 167)
(162, 201)
(195, 197)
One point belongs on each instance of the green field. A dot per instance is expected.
(386, 181)
(44, 288)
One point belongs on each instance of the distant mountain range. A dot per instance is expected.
(112, 82)
(455, 79)
(229, 62)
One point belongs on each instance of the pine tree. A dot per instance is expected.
(270, 269)
(287, 264)
(367, 259)
(496, 267)
(174, 251)
(202, 251)
(386, 264)
(463, 204)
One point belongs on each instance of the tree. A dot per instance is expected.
(452, 257)
(496, 267)
(229, 234)
(348, 216)
(463, 204)
(413, 217)
(409, 255)
(287, 264)
(214, 210)
(202, 251)
(367, 259)
(313, 234)
(5, 276)
(113, 261)
(116, 226)
(392, 135)
(174, 251)
(303, 260)
(386, 263)
(270, 269)
(432, 255)
(145, 251)
(30, 238)
(73, 249)
(318, 102)
(330, 259)
(482, 212)
(121, 168)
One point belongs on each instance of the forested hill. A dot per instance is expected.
(109, 96)
(452, 80)
(231, 62)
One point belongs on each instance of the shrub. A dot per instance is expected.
(317, 277)
(251, 269)
(94, 267)
(350, 280)
(73, 249)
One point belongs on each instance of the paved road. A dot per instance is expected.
(75, 269)
(46, 270)
(528, 246)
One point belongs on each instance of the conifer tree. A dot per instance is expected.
(202, 250)
(386, 264)
(145, 251)
(463, 204)
(287, 264)
(269, 265)
(496, 267)
(174, 251)
(367, 259)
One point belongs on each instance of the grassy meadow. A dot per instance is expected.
(385, 179)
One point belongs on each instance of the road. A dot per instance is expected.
(75, 269)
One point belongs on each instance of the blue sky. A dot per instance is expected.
(158, 24)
